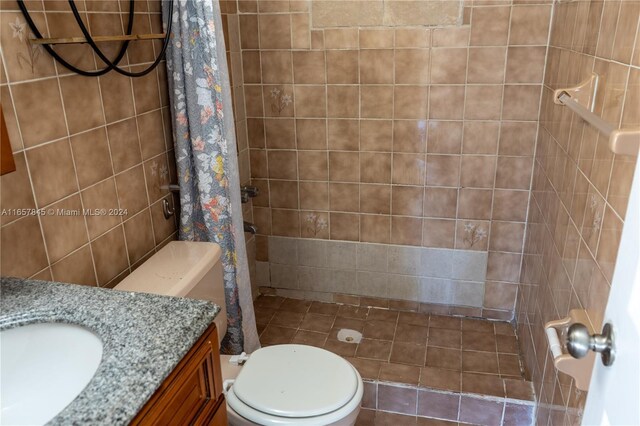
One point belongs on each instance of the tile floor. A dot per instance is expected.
(396, 346)
(432, 354)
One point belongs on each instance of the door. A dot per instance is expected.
(614, 392)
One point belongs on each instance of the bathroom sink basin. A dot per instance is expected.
(43, 367)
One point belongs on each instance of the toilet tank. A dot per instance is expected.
(183, 269)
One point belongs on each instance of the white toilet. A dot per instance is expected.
(277, 385)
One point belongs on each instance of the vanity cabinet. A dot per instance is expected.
(192, 393)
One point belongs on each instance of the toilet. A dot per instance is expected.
(277, 385)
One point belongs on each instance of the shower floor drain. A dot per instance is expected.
(349, 336)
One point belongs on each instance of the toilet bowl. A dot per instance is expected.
(277, 385)
(292, 385)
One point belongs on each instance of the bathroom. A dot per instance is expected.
(422, 200)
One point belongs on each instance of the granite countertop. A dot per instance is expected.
(144, 336)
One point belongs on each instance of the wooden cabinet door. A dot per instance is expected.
(192, 394)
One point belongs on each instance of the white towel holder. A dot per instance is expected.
(581, 100)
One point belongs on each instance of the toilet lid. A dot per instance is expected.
(295, 381)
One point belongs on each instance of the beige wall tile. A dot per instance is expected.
(92, 157)
(483, 102)
(525, 64)
(342, 101)
(249, 38)
(443, 170)
(52, 181)
(309, 67)
(412, 37)
(343, 135)
(311, 101)
(280, 133)
(341, 166)
(145, 91)
(65, 230)
(77, 268)
(376, 38)
(341, 38)
(376, 135)
(251, 66)
(486, 65)
(412, 66)
(520, 102)
(344, 197)
(529, 25)
(331, 13)
(275, 31)
(16, 190)
(375, 228)
(407, 200)
(117, 96)
(124, 144)
(311, 134)
(342, 66)
(490, 26)
(474, 204)
(451, 37)
(440, 202)
(283, 194)
(39, 121)
(410, 135)
(411, 102)
(376, 101)
(438, 233)
(27, 255)
(480, 137)
(408, 169)
(448, 65)
(477, 171)
(345, 226)
(446, 102)
(109, 255)
(399, 13)
(376, 66)
(502, 236)
(444, 137)
(300, 36)
(375, 167)
(101, 196)
(314, 196)
(132, 192)
(276, 66)
(375, 199)
(151, 134)
(285, 223)
(406, 230)
(282, 164)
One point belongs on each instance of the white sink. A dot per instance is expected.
(43, 367)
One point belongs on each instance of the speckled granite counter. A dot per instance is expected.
(144, 338)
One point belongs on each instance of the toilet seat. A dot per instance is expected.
(295, 385)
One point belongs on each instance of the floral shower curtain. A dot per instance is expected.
(205, 148)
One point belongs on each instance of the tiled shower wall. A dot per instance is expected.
(316, 269)
(580, 189)
(390, 132)
(83, 142)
